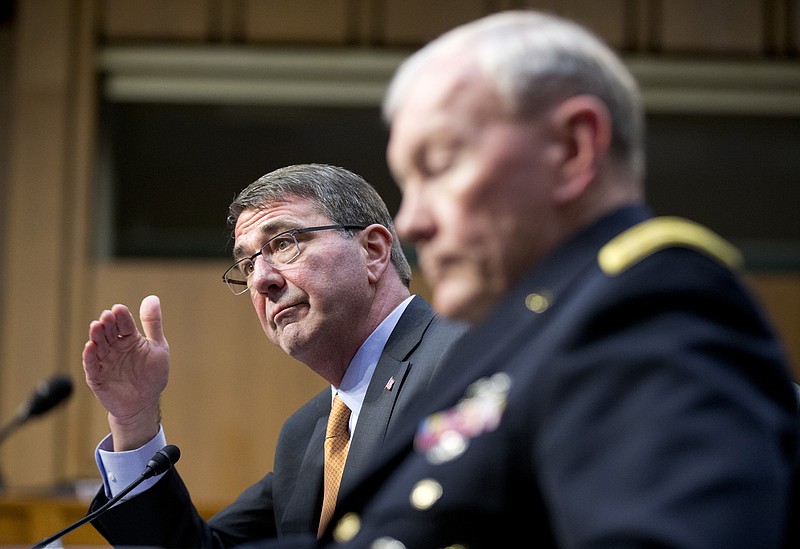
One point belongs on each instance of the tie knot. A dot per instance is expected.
(338, 419)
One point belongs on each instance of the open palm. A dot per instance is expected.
(127, 371)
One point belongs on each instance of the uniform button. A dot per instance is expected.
(347, 528)
(538, 303)
(387, 543)
(425, 493)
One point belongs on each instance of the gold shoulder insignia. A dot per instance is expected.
(648, 237)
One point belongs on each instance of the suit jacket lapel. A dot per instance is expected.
(302, 510)
(376, 412)
(375, 418)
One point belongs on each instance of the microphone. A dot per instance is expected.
(161, 462)
(48, 394)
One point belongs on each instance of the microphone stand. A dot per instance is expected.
(5, 431)
(92, 515)
(11, 426)
(161, 463)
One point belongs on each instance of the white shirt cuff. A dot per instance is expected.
(120, 469)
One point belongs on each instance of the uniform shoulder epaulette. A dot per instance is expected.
(648, 237)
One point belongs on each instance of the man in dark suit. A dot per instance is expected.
(316, 253)
(619, 386)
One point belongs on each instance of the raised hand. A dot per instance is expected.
(127, 371)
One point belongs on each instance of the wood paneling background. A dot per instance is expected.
(230, 390)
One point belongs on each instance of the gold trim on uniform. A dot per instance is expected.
(648, 237)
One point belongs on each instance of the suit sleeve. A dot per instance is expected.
(164, 516)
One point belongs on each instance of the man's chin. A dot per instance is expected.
(287, 335)
(457, 301)
(293, 345)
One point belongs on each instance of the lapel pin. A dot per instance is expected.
(389, 384)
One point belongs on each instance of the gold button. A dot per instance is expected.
(425, 494)
(538, 303)
(347, 528)
(387, 543)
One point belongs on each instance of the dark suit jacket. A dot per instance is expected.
(651, 408)
(289, 499)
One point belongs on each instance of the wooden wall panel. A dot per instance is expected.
(26, 520)
(606, 19)
(713, 26)
(793, 26)
(693, 26)
(297, 21)
(780, 296)
(33, 284)
(418, 21)
(156, 19)
(6, 105)
(77, 267)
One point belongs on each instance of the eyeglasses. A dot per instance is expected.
(278, 251)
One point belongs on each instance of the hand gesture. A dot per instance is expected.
(127, 371)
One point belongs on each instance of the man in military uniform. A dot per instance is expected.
(619, 387)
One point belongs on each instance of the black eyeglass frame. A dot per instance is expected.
(232, 284)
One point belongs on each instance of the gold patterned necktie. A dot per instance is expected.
(337, 442)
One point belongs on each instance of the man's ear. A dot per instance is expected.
(584, 128)
(377, 242)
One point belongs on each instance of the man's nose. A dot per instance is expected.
(413, 222)
(265, 276)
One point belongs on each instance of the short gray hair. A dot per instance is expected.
(339, 194)
(536, 60)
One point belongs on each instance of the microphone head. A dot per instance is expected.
(49, 394)
(163, 460)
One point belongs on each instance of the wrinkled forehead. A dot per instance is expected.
(447, 94)
(256, 225)
(443, 78)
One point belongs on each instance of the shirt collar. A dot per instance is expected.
(356, 379)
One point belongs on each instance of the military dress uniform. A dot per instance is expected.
(626, 393)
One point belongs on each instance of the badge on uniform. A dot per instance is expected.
(445, 435)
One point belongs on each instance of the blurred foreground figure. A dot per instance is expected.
(619, 387)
